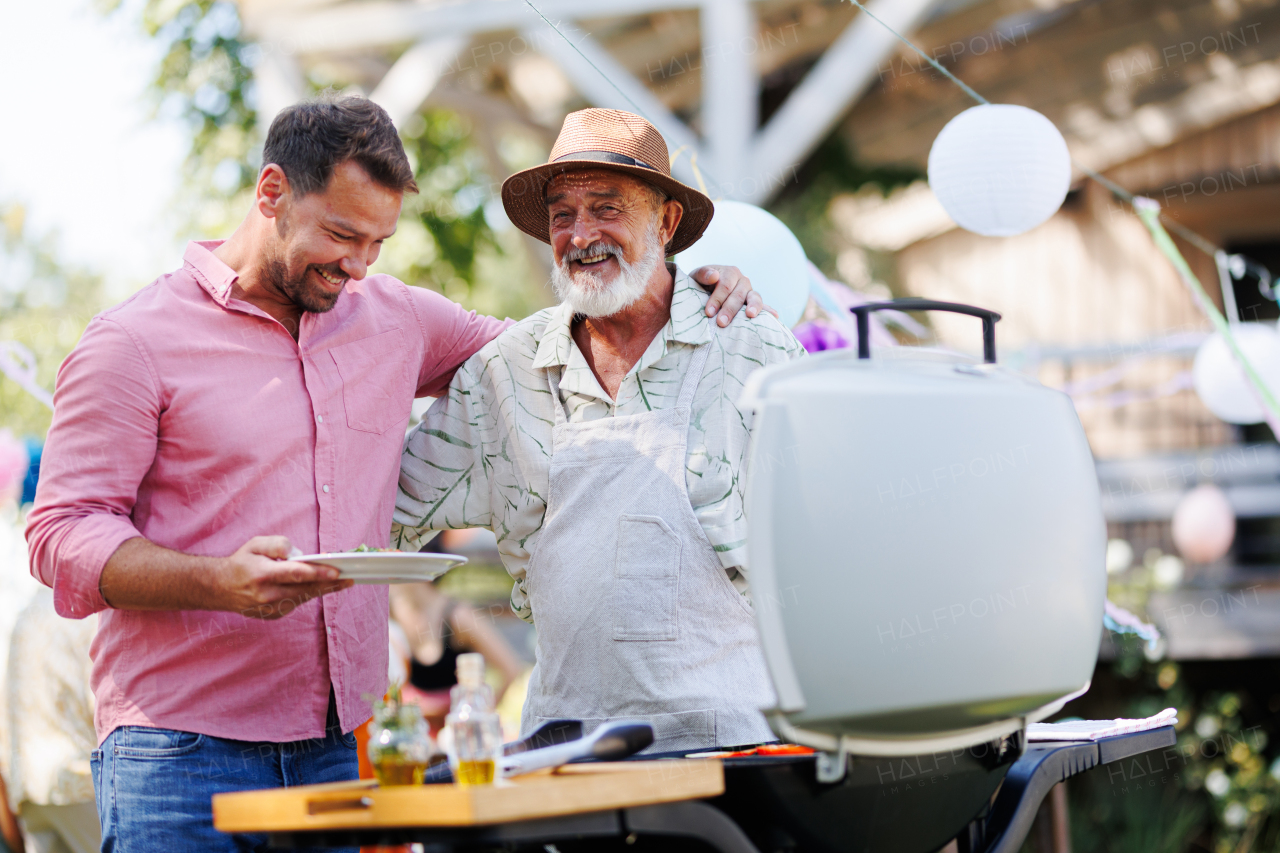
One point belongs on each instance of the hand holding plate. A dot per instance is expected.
(260, 582)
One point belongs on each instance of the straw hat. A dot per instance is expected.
(605, 139)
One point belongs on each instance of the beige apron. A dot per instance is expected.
(636, 617)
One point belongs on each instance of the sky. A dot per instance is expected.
(78, 146)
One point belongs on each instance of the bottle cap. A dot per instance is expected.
(471, 669)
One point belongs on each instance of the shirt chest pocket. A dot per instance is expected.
(375, 381)
(646, 580)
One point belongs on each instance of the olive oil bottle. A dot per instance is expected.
(400, 745)
(474, 740)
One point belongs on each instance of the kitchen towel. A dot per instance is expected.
(1098, 729)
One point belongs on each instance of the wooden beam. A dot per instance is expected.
(597, 85)
(408, 83)
(730, 89)
(665, 56)
(1203, 105)
(279, 82)
(355, 26)
(1093, 69)
(828, 90)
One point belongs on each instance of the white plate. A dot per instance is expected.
(371, 567)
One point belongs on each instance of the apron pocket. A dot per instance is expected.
(683, 730)
(646, 578)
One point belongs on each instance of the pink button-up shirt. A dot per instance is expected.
(195, 420)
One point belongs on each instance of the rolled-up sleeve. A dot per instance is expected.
(101, 444)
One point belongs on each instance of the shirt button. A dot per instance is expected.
(326, 489)
(319, 419)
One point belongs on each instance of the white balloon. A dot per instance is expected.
(1000, 169)
(756, 242)
(1204, 524)
(1220, 382)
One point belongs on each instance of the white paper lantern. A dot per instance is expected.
(1000, 169)
(1204, 524)
(1168, 572)
(1221, 383)
(756, 242)
(1119, 555)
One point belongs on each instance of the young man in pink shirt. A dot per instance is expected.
(252, 402)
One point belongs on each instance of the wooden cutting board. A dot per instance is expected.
(572, 789)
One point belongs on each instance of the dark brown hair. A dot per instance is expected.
(308, 139)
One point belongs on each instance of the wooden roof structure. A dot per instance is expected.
(744, 90)
(1179, 99)
(753, 87)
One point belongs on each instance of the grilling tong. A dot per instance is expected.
(560, 742)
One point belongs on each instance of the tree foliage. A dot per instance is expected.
(444, 241)
(454, 188)
(830, 171)
(206, 80)
(44, 306)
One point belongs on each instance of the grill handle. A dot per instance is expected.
(989, 319)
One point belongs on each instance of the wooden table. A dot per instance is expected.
(770, 798)
(331, 814)
(763, 798)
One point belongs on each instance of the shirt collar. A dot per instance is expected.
(688, 324)
(213, 275)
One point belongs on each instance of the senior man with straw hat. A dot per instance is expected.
(601, 441)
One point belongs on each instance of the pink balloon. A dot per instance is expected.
(13, 465)
(1204, 524)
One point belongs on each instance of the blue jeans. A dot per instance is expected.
(154, 786)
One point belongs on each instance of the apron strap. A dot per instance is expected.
(694, 375)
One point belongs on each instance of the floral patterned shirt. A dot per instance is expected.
(481, 456)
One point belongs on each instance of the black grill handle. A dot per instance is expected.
(989, 319)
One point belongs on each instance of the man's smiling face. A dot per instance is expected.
(599, 209)
(608, 232)
(325, 238)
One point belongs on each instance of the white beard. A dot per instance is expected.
(587, 294)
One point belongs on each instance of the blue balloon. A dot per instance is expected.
(756, 242)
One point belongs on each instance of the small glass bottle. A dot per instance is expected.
(400, 745)
(474, 732)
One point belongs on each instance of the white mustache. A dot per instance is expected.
(593, 250)
(586, 292)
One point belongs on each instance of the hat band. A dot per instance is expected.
(607, 157)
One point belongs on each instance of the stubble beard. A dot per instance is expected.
(309, 297)
(588, 295)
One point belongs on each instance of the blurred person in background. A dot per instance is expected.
(50, 712)
(16, 589)
(438, 628)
